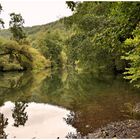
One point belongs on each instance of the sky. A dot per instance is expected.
(34, 12)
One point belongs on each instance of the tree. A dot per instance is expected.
(16, 26)
(1, 21)
(132, 55)
(102, 28)
(71, 5)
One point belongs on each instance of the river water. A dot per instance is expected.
(62, 104)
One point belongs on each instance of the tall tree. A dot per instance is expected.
(16, 26)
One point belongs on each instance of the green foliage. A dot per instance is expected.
(99, 37)
(16, 26)
(133, 57)
(51, 43)
(102, 27)
(15, 56)
(18, 54)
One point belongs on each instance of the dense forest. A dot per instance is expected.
(100, 37)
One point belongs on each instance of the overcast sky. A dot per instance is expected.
(34, 12)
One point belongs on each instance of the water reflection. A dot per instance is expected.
(92, 101)
(21, 86)
(3, 124)
(44, 121)
(71, 135)
(70, 118)
(19, 115)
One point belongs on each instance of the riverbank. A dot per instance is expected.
(122, 129)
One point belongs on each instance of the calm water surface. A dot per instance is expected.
(62, 104)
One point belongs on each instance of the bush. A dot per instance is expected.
(14, 56)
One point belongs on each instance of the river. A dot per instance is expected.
(62, 104)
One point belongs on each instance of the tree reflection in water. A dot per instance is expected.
(74, 136)
(19, 114)
(70, 121)
(3, 124)
(70, 118)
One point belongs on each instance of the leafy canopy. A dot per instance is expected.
(16, 26)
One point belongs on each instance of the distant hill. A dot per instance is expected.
(35, 29)
(5, 33)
